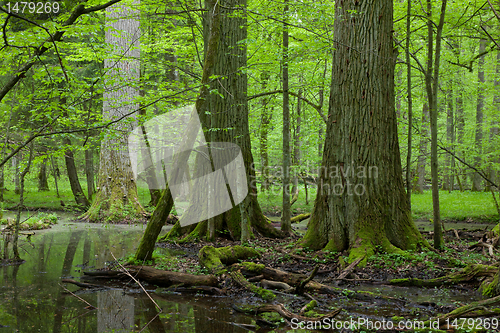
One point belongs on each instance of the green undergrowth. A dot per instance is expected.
(36, 222)
(456, 206)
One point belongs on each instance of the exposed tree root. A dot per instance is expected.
(240, 279)
(282, 311)
(470, 308)
(215, 258)
(469, 274)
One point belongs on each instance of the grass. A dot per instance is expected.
(456, 206)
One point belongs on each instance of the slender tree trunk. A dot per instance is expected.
(460, 125)
(17, 257)
(286, 224)
(423, 149)
(76, 188)
(410, 103)
(478, 138)
(449, 179)
(297, 144)
(495, 125)
(89, 171)
(116, 195)
(431, 84)
(15, 163)
(55, 172)
(265, 121)
(361, 202)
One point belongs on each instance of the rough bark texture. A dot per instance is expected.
(228, 116)
(43, 184)
(116, 198)
(361, 201)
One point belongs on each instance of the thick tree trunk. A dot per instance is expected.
(361, 201)
(478, 137)
(410, 105)
(116, 198)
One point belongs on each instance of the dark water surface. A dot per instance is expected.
(32, 297)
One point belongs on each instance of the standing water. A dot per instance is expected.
(33, 298)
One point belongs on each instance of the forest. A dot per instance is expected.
(234, 165)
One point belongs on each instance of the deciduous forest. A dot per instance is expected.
(248, 165)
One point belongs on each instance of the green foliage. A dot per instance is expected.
(36, 222)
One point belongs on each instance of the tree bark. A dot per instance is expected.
(423, 150)
(286, 225)
(265, 120)
(410, 104)
(43, 184)
(431, 85)
(116, 198)
(76, 188)
(361, 201)
(89, 171)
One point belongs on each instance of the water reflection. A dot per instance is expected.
(32, 297)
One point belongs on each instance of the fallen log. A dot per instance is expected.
(166, 278)
(300, 218)
(349, 268)
(274, 284)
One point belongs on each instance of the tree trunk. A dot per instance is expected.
(89, 171)
(493, 172)
(116, 198)
(286, 225)
(410, 104)
(15, 163)
(297, 144)
(478, 137)
(460, 124)
(76, 188)
(431, 85)
(265, 120)
(423, 150)
(43, 184)
(361, 202)
(449, 178)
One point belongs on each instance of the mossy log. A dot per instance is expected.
(240, 279)
(166, 278)
(468, 274)
(472, 307)
(280, 308)
(300, 217)
(215, 258)
(491, 287)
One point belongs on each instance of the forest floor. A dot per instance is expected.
(383, 299)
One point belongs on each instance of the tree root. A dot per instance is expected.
(215, 259)
(282, 311)
(470, 308)
(468, 274)
(240, 279)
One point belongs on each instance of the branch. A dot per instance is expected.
(492, 39)
(77, 12)
(81, 130)
(494, 11)
(280, 91)
(481, 173)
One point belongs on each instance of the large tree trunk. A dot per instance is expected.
(361, 201)
(478, 138)
(228, 119)
(116, 196)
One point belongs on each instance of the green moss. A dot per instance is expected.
(312, 314)
(491, 289)
(209, 257)
(215, 258)
(311, 305)
(252, 267)
(272, 317)
(496, 230)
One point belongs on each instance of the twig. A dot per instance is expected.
(136, 281)
(81, 299)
